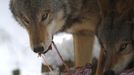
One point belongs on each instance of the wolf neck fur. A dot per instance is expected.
(75, 8)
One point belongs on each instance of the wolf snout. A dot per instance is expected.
(109, 72)
(38, 49)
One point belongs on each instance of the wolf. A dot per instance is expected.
(44, 18)
(116, 36)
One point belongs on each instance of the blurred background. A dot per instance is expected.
(15, 53)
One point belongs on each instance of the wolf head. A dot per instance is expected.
(41, 18)
(115, 35)
(116, 41)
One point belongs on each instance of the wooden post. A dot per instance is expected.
(83, 45)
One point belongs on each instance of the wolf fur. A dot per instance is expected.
(115, 34)
(44, 18)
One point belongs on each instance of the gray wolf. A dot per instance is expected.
(44, 18)
(115, 34)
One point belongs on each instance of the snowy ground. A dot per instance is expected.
(14, 46)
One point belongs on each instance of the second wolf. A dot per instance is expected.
(116, 36)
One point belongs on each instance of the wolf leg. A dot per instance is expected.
(83, 45)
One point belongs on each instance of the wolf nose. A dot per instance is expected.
(39, 49)
(109, 72)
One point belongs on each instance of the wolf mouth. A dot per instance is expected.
(49, 48)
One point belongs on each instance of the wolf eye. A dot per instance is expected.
(26, 21)
(123, 46)
(44, 17)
